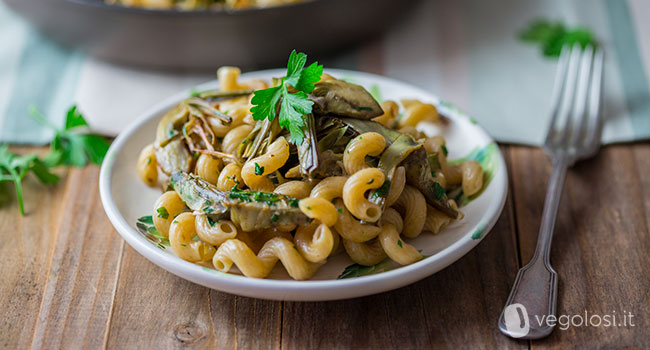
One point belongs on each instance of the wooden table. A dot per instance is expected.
(69, 280)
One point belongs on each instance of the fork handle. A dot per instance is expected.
(551, 205)
(535, 286)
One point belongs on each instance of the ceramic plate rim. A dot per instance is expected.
(310, 290)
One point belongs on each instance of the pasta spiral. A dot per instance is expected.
(366, 144)
(237, 252)
(255, 170)
(354, 194)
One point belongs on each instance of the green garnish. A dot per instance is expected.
(211, 222)
(340, 210)
(296, 248)
(364, 108)
(382, 191)
(275, 217)
(268, 198)
(293, 105)
(439, 191)
(72, 145)
(148, 229)
(196, 238)
(553, 35)
(293, 202)
(399, 243)
(240, 195)
(162, 213)
(259, 170)
(148, 160)
(184, 245)
(444, 150)
(371, 181)
(14, 168)
(208, 210)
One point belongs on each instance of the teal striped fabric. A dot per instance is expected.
(464, 51)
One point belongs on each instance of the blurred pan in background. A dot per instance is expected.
(205, 39)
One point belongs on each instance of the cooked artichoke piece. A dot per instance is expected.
(418, 174)
(402, 149)
(345, 99)
(250, 210)
(173, 156)
(171, 123)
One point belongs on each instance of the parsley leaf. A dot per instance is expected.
(293, 105)
(383, 190)
(552, 36)
(259, 170)
(72, 145)
(14, 168)
(438, 191)
(162, 213)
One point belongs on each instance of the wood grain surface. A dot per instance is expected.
(69, 281)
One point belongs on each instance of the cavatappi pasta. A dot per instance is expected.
(241, 194)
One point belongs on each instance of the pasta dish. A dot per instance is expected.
(297, 170)
(190, 5)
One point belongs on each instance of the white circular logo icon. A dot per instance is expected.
(516, 320)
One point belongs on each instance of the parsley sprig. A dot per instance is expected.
(552, 36)
(72, 145)
(14, 168)
(292, 96)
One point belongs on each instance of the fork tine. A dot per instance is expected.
(564, 116)
(595, 117)
(558, 89)
(581, 98)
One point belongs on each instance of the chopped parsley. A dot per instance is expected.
(382, 191)
(438, 191)
(268, 198)
(293, 202)
(275, 217)
(364, 108)
(444, 150)
(293, 105)
(259, 170)
(211, 222)
(240, 195)
(399, 243)
(340, 210)
(162, 213)
(208, 210)
(371, 181)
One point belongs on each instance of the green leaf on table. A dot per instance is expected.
(553, 35)
(74, 118)
(14, 167)
(73, 145)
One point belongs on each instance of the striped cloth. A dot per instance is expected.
(464, 51)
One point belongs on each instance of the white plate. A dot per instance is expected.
(126, 198)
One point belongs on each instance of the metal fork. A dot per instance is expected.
(574, 134)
